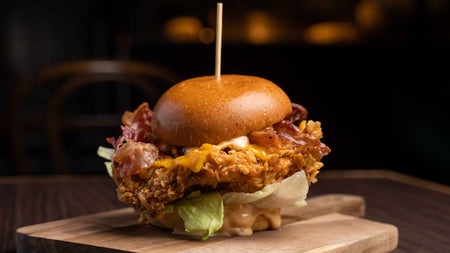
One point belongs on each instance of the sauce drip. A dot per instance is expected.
(239, 220)
(244, 219)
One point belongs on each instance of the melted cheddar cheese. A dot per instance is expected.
(194, 158)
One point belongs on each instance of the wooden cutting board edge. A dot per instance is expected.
(45, 236)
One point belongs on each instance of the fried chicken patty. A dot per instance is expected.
(151, 175)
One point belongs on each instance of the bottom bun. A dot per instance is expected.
(239, 220)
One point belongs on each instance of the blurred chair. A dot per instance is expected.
(63, 80)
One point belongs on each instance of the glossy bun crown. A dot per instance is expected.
(205, 110)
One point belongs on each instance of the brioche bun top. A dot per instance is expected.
(205, 110)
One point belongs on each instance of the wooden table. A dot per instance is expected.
(419, 209)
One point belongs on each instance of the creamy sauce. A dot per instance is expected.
(239, 220)
(244, 219)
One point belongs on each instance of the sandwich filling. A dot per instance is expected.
(154, 177)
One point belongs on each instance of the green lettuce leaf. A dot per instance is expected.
(204, 212)
(292, 191)
(106, 153)
(201, 212)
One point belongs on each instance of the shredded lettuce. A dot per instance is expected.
(204, 212)
(292, 191)
(106, 153)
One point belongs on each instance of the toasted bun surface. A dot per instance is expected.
(204, 110)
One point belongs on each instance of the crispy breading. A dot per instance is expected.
(150, 190)
(289, 146)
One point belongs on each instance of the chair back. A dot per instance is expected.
(63, 81)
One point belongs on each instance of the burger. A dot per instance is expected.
(216, 156)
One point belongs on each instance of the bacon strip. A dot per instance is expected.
(298, 114)
(136, 125)
(131, 157)
(135, 149)
(287, 135)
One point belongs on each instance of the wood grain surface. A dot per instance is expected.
(329, 223)
(420, 209)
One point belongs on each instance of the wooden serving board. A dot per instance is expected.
(328, 223)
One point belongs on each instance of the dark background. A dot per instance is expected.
(375, 73)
